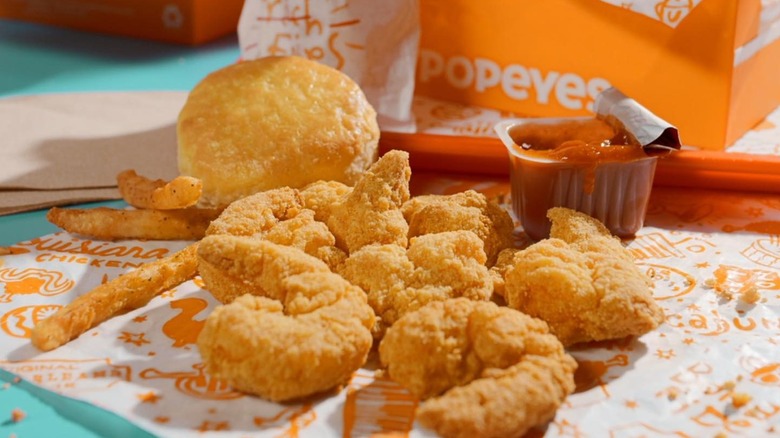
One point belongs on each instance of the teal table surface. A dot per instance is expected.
(37, 59)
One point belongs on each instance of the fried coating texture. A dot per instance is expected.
(469, 210)
(142, 192)
(371, 213)
(498, 270)
(279, 216)
(310, 340)
(112, 224)
(231, 266)
(483, 370)
(435, 267)
(321, 196)
(122, 294)
(582, 282)
(257, 213)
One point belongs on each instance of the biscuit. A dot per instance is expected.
(273, 122)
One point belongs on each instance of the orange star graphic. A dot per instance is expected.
(137, 339)
(631, 404)
(162, 420)
(149, 397)
(664, 354)
(703, 265)
(141, 318)
(688, 341)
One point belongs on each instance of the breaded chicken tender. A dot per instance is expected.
(435, 267)
(469, 210)
(231, 266)
(481, 369)
(309, 340)
(371, 213)
(582, 282)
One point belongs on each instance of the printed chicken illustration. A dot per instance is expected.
(183, 329)
(32, 281)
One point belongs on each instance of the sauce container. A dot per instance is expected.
(614, 188)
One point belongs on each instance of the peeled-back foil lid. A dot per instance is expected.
(652, 132)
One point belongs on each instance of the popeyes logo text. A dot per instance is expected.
(516, 81)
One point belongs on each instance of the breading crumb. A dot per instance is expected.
(739, 399)
(750, 295)
(17, 415)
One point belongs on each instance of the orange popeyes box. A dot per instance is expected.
(175, 21)
(710, 67)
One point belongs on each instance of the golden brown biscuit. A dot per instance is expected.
(272, 122)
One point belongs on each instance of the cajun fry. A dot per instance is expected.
(112, 224)
(142, 192)
(125, 293)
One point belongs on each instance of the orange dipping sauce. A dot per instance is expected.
(587, 164)
(586, 141)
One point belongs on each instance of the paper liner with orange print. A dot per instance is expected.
(703, 251)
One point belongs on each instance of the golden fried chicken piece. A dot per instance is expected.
(469, 210)
(498, 270)
(310, 340)
(321, 196)
(582, 282)
(435, 267)
(257, 213)
(279, 216)
(231, 266)
(483, 370)
(371, 213)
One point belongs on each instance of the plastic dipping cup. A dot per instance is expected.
(616, 193)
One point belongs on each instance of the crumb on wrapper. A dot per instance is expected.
(17, 415)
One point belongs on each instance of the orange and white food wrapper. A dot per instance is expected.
(375, 43)
(690, 377)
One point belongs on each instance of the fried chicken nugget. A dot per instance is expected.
(371, 212)
(435, 267)
(582, 282)
(469, 210)
(481, 369)
(310, 340)
(278, 215)
(231, 266)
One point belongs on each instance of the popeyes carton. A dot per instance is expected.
(709, 67)
(175, 21)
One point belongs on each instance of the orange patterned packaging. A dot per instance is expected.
(708, 67)
(175, 21)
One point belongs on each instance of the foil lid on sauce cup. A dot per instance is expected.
(602, 166)
(652, 132)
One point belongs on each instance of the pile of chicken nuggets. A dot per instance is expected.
(313, 280)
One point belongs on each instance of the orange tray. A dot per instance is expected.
(686, 168)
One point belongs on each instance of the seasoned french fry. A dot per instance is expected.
(142, 192)
(125, 293)
(112, 224)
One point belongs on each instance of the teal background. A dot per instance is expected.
(37, 59)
